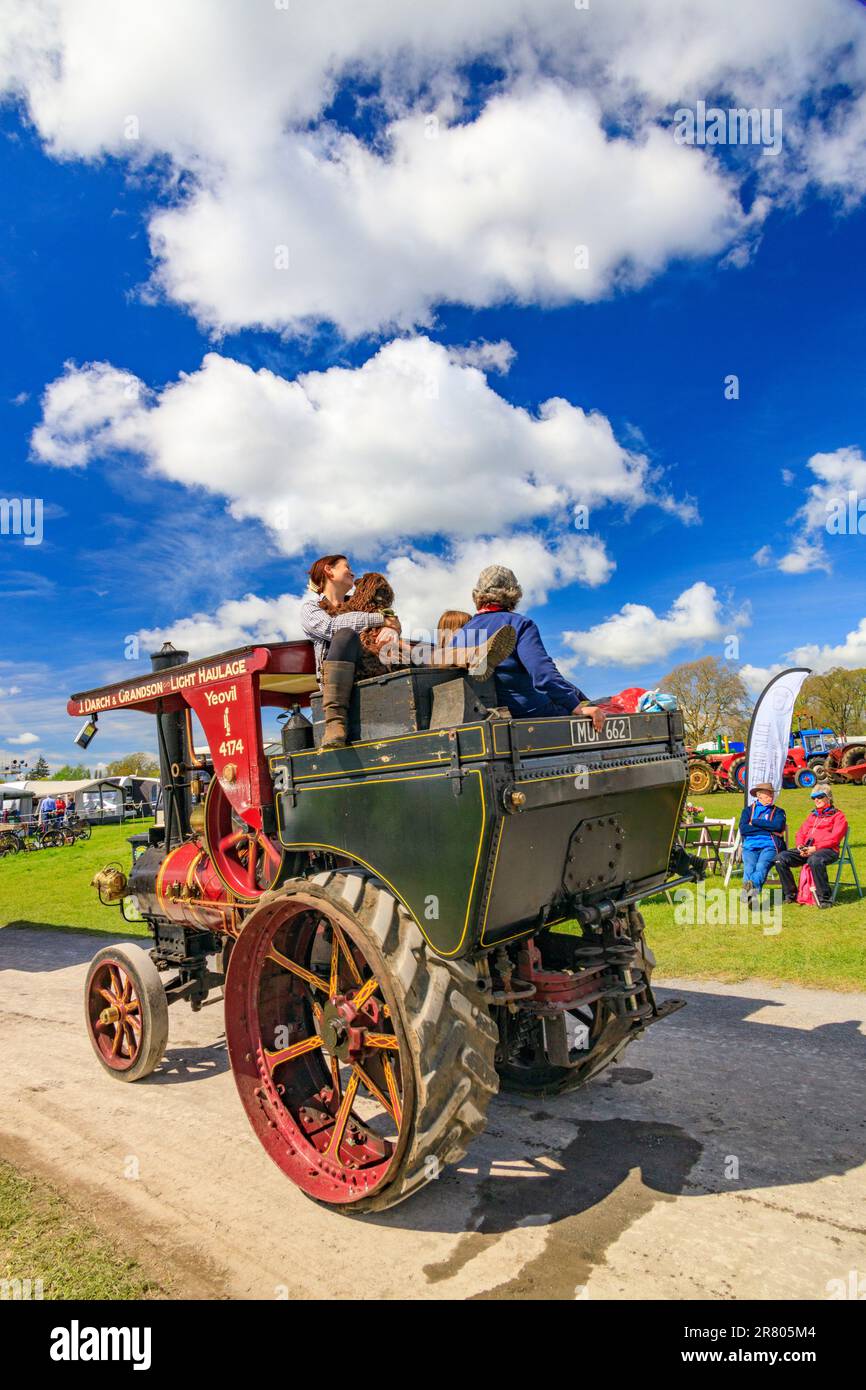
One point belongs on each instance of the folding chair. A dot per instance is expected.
(711, 843)
(734, 855)
(845, 857)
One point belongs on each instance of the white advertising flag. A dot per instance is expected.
(770, 729)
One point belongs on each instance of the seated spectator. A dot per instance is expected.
(818, 841)
(527, 681)
(762, 828)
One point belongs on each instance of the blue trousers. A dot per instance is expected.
(757, 862)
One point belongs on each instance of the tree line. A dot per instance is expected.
(714, 700)
(130, 765)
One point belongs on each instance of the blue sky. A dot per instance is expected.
(132, 544)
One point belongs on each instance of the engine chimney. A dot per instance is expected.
(173, 753)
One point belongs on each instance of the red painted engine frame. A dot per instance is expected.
(226, 693)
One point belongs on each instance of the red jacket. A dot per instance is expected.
(825, 829)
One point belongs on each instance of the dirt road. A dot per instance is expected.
(724, 1158)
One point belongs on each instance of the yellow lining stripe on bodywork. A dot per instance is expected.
(560, 777)
(481, 941)
(440, 758)
(337, 849)
(679, 813)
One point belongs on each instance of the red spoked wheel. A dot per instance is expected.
(248, 861)
(358, 1071)
(126, 1011)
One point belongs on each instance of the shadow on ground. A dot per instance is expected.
(717, 1080)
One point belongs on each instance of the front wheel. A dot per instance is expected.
(126, 1011)
(805, 777)
(364, 1062)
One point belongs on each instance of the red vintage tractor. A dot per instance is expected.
(715, 771)
(447, 905)
(847, 763)
(726, 772)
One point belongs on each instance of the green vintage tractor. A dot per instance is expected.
(446, 906)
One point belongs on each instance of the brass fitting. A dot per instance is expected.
(110, 883)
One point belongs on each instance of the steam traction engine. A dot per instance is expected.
(446, 905)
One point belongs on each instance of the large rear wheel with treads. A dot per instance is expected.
(364, 1061)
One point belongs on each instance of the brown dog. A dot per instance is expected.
(372, 594)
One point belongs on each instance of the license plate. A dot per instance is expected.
(617, 728)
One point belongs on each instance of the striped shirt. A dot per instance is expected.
(319, 626)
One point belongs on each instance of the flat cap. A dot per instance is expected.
(496, 577)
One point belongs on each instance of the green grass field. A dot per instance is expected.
(823, 949)
(826, 950)
(44, 1240)
(51, 887)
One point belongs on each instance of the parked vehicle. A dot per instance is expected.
(725, 772)
(715, 772)
(382, 917)
(76, 827)
(847, 763)
(41, 837)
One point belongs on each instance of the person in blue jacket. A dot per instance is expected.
(528, 681)
(762, 828)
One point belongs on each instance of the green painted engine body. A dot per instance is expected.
(499, 828)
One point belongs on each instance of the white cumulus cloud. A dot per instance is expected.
(850, 652)
(637, 635)
(828, 509)
(425, 584)
(411, 444)
(449, 199)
